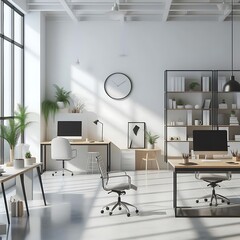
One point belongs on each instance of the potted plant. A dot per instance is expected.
(15, 127)
(179, 104)
(49, 108)
(193, 85)
(62, 96)
(152, 139)
(29, 160)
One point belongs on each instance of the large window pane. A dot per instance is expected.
(18, 21)
(11, 65)
(7, 21)
(17, 75)
(7, 79)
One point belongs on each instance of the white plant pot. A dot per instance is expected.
(18, 163)
(30, 161)
(60, 105)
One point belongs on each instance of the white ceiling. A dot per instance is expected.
(138, 10)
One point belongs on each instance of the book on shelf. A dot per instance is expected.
(206, 117)
(189, 117)
(170, 103)
(176, 84)
(205, 84)
(221, 82)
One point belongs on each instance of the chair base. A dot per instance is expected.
(63, 170)
(120, 204)
(214, 196)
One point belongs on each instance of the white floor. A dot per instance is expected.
(74, 204)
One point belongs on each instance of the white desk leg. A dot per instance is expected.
(28, 180)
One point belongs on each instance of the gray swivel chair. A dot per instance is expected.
(61, 150)
(118, 187)
(213, 180)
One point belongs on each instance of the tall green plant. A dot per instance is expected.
(15, 127)
(11, 132)
(21, 116)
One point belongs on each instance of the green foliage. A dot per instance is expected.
(49, 108)
(11, 132)
(28, 155)
(21, 115)
(62, 95)
(193, 85)
(151, 138)
(15, 127)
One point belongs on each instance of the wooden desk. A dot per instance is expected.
(199, 166)
(10, 173)
(79, 143)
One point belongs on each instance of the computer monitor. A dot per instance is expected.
(70, 129)
(210, 142)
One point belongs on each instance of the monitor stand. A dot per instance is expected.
(208, 156)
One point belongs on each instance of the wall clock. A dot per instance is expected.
(118, 85)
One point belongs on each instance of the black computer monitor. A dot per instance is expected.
(69, 129)
(210, 142)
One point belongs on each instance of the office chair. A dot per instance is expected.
(110, 186)
(61, 151)
(213, 180)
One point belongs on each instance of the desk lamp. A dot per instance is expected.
(96, 122)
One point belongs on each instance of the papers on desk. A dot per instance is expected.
(211, 160)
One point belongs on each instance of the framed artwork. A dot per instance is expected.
(136, 134)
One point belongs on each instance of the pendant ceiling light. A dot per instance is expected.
(232, 85)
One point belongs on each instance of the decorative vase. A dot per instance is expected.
(11, 158)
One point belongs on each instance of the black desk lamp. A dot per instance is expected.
(96, 122)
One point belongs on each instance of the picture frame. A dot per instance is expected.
(207, 104)
(136, 135)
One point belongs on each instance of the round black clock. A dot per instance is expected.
(118, 85)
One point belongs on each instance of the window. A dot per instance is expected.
(11, 65)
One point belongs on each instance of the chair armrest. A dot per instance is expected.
(120, 176)
(74, 153)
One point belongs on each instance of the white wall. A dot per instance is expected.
(142, 50)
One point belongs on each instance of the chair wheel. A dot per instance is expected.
(223, 201)
(228, 203)
(137, 211)
(102, 211)
(110, 213)
(210, 204)
(72, 174)
(63, 174)
(120, 208)
(107, 208)
(197, 201)
(128, 214)
(52, 174)
(205, 199)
